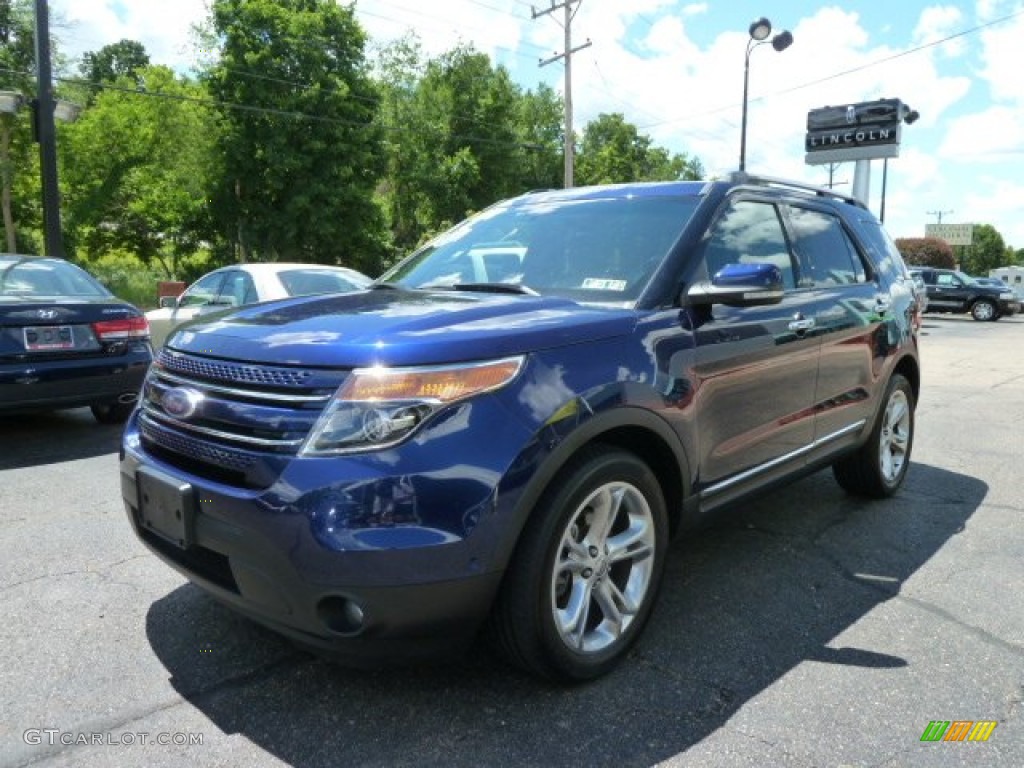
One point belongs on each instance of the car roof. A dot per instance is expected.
(630, 189)
(275, 267)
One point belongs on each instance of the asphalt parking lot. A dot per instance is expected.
(803, 629)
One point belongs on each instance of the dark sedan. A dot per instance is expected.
(66, 341)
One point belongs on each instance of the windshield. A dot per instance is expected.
(600, 251)
(36, 278)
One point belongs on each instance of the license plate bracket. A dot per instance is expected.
(166, 506)
(45, 337)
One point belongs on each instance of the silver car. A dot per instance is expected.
(242, 284)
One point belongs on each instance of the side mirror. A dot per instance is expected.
(168, 302)
(739, 285)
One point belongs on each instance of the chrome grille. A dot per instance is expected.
(194, 449)
(236, 373)
(239, 417)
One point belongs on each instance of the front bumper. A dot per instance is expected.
(356, 567)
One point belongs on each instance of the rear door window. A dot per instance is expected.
(828, 256)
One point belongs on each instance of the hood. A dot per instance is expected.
(397, 327)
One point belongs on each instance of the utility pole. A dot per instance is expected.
(567, 7)
(938, 214)
(47, 134)
(831, 173)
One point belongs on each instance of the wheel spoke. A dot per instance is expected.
(573, 618)
(611, 603)
(897, 411)
(604, 507)
(632, 544)
(887, 465)
(900, 441)
(570, 565)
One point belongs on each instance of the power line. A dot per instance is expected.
(850, 71)
(293, 114)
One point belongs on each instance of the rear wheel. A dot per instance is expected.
(983, 310)
(585, 574)
(878, 468)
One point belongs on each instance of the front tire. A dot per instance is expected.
(112, 413)
(984, 310)
(878, 468)
(585, 574)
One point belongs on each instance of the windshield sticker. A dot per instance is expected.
(604, 284)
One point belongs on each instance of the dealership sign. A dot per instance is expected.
(953, 234)
(862, 131)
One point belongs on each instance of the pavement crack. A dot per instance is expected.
(977, 632)
(61, 575)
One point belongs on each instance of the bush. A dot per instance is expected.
(126, 277)
(926, 252)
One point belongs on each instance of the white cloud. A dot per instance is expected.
(938, 23)
(1001, 60)
(164, 28)
(992, 136)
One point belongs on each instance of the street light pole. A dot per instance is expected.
(47, 135)
(759, 31)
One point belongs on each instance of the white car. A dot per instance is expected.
(242, 284)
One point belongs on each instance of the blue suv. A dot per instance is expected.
(505, 430)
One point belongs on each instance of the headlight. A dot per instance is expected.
(380, 407)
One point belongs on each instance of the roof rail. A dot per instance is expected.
(742, 177)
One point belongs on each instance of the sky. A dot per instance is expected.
(675, 69)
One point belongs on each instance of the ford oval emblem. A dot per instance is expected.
(181, 402)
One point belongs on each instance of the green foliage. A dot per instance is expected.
(302, 160)
(126, 276)
(614, 151)
(986, 251)
(132, 280)
(286, 148)
(926, 252)
(119, 61)
(19, 158)
(137, 169)
(460, 136)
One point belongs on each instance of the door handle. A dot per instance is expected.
(801, 324)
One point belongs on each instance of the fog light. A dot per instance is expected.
(341, 615)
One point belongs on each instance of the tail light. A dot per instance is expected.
(122, 329)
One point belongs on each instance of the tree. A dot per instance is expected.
(460, 136)
(111, 63)
(926, 252)
(301, 151)
(613, 150)
(138, 167)
(541, 130)
(470, 152)
(17, 62)
(986, 251)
